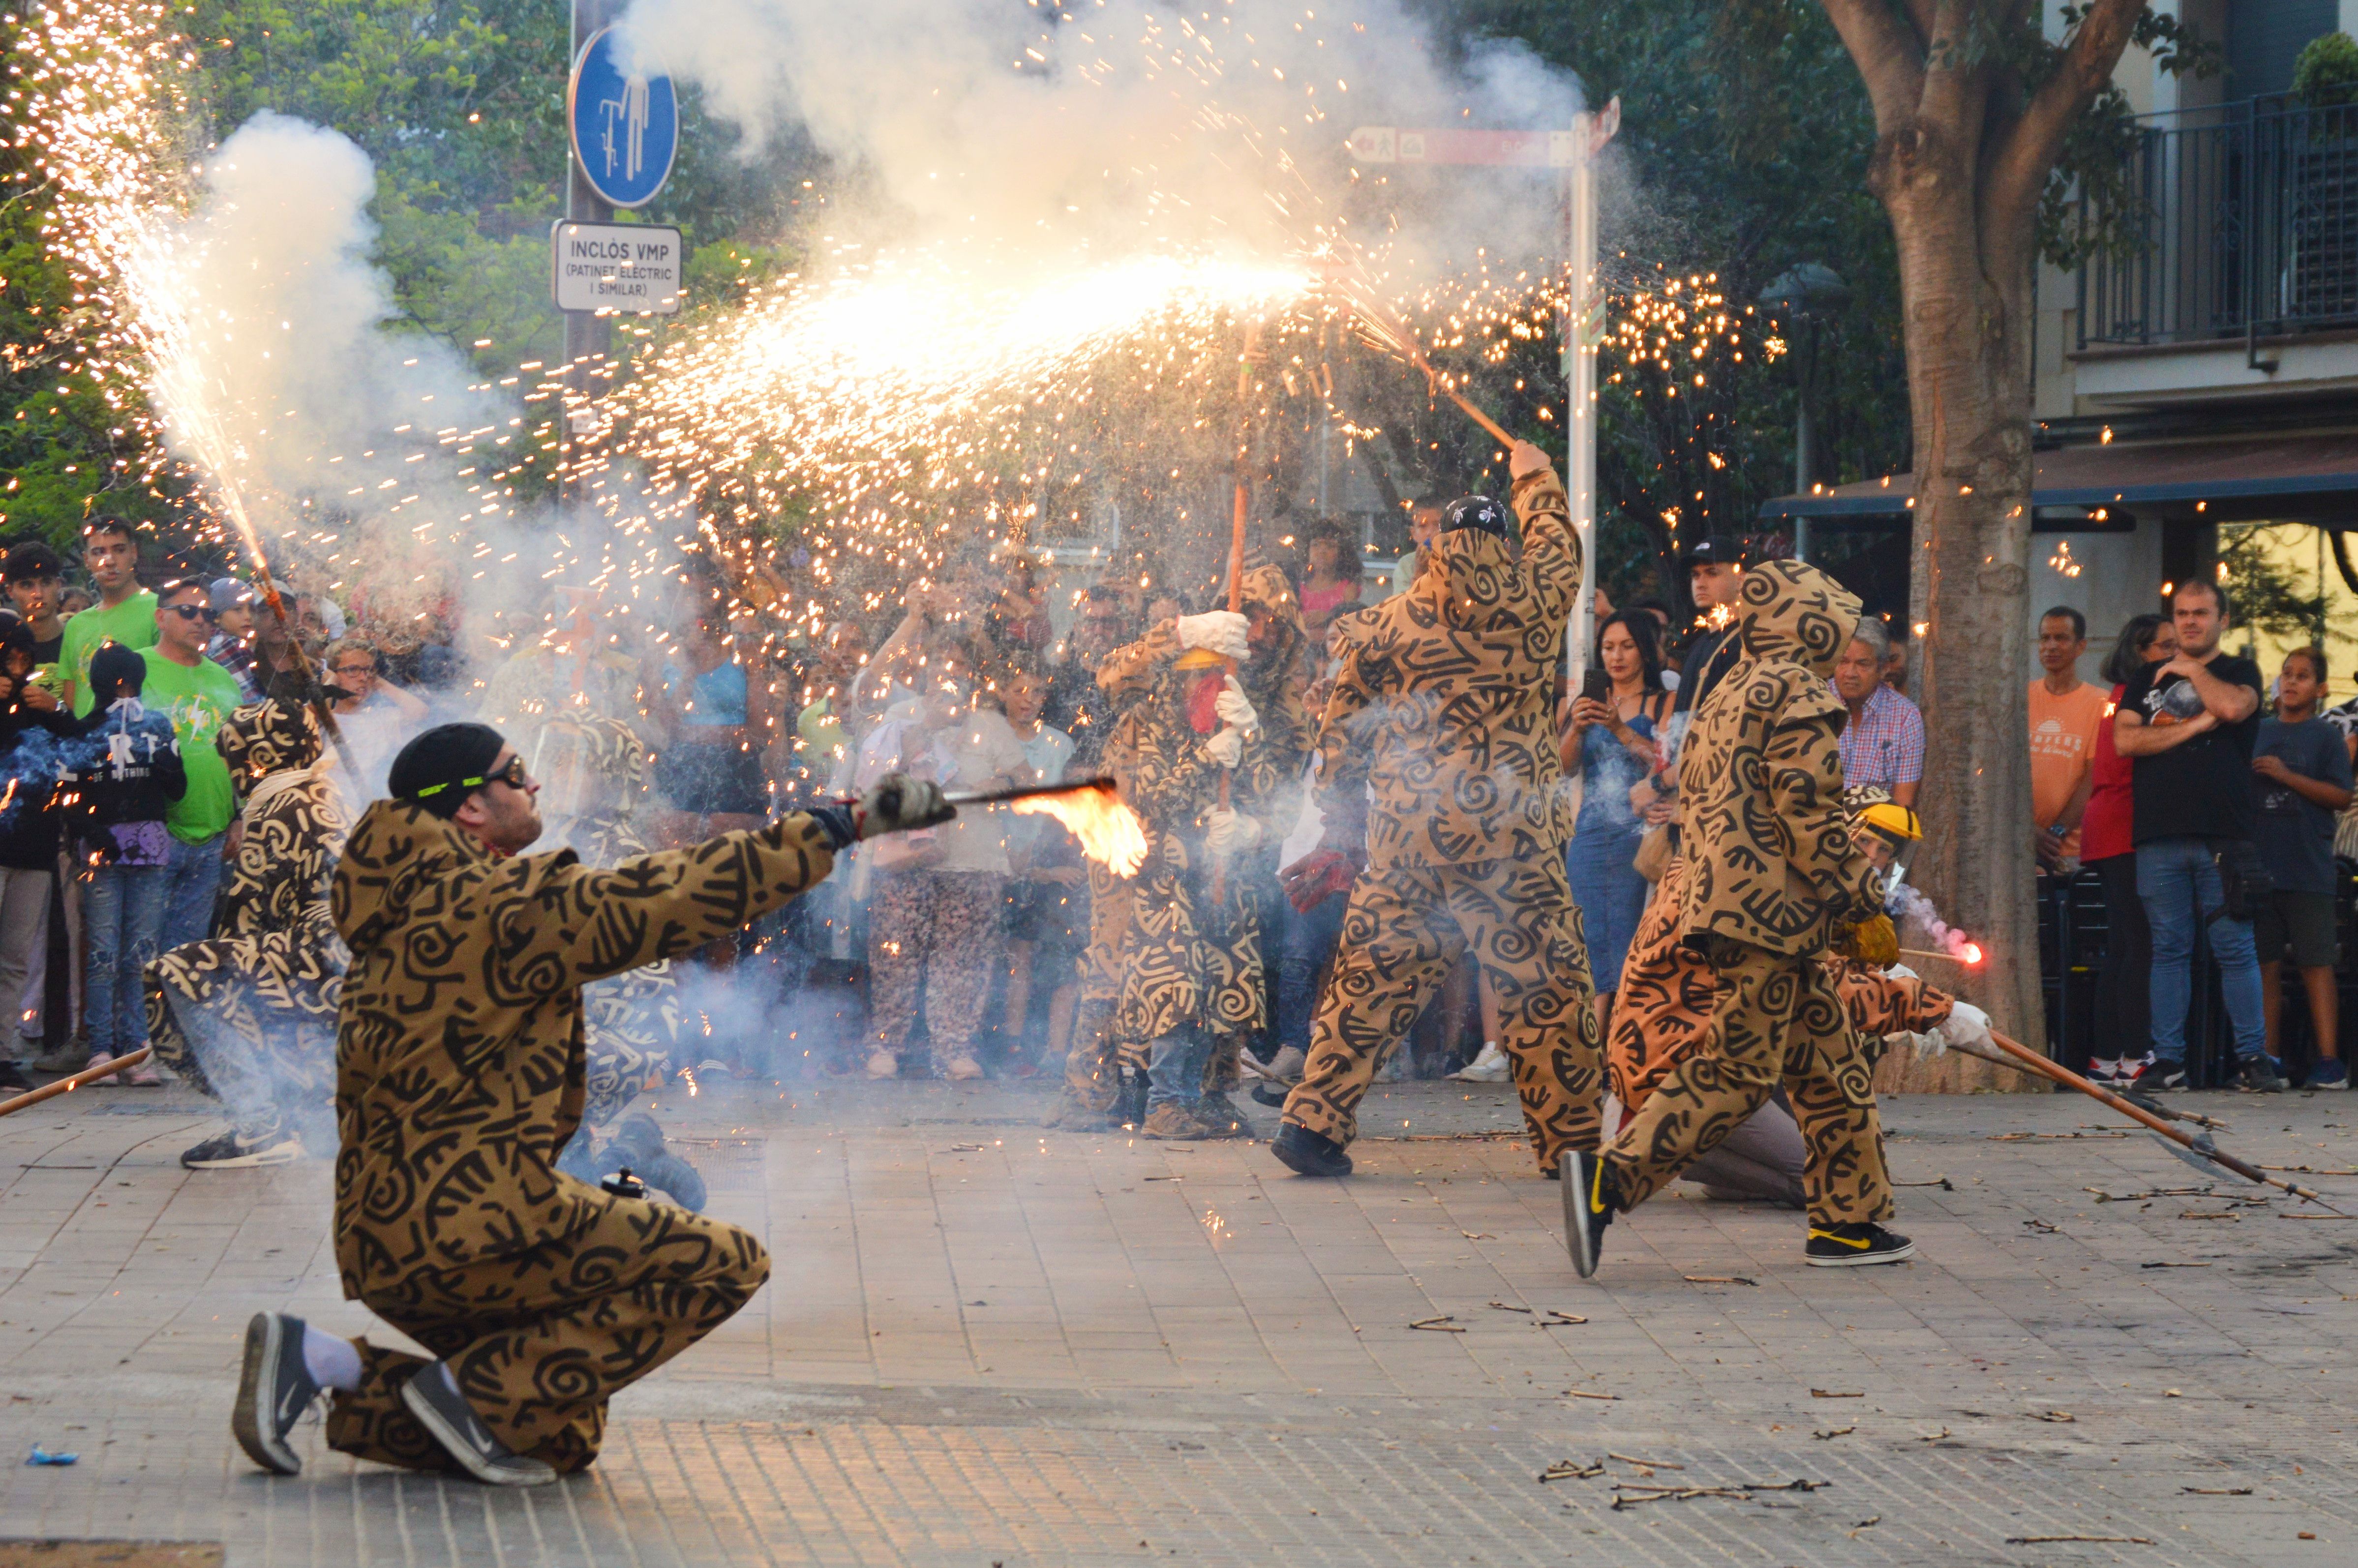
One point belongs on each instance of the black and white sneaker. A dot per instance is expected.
(1854, 1246)
(2150, 1076)
(274, 1389)
(1586, 1208)
(2259, 1076)
(434, 1399)
(232, 1150)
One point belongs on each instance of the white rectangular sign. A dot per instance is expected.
(626, 268)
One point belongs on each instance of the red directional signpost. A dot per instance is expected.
(1574, 151)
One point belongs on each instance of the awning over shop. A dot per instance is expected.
(2301, 479)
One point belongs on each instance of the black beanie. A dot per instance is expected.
(115, 671)
(446, 755)
(1477, 512)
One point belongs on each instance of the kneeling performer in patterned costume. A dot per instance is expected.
(248, 1015)
(459, 1072)
(1438, 768)
(1772, 880)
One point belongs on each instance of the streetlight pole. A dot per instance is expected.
(1802, 297)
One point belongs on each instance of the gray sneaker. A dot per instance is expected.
(274, 1389)
(434, 1399)
(2259, 1074)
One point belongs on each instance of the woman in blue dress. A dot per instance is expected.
(1613, 744)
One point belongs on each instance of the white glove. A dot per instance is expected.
(1526, 459)
(1929, 1046)
(1234, 710)
(1228, 747)
(898, 803)
(1220, 631)
(1897, 972)
(1230, 831)
(1965, 1025)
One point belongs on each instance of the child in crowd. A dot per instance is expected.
(2302, 777)
(126, 773)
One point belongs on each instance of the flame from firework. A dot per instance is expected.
(1907, 903)
(1109, 831)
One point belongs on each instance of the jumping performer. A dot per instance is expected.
(1438, 772)
(1773, 879)
(1664, 1015)
(460, 1077)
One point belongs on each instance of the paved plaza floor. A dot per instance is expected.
(987, 1344)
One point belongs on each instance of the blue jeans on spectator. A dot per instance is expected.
(1311, 938)
(2179, 884)
(194, 876)
(1174, 1065)
(122, 921)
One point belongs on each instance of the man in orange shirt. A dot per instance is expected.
(2065, 714)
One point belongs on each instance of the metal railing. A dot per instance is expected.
(2236, 222)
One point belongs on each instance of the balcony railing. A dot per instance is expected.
(2239, 222)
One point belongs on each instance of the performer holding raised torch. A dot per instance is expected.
(1439, 773)
(460, 1076)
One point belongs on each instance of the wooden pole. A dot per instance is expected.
(67, 1085)
(2055, 1071)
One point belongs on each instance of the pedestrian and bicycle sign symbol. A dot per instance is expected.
(624, 117)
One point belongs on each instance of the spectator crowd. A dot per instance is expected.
(2199, 799)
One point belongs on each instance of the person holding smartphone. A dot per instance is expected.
(1612, 741)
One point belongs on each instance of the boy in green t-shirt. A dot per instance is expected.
(123, 613)
(197, 695)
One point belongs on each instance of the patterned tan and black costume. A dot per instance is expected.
(1663, 1013)
(1444, 705)
(1769, 875)
(1101, 1049)
(459, 1078)
(1192, 960)
(248, 1015)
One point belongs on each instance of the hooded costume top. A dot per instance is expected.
(1769, 859)
(459, 1062)
(1445, 703)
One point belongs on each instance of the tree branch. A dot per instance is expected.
(1953, 90)
(1890, 59)
(2019, 173)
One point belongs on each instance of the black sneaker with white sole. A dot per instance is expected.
(274, 1389)
(1854, 1246)
(234, 1151)
(1587, 1208)
(434, 1399)
(2151, 1076)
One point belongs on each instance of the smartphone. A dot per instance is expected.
(1596, 686)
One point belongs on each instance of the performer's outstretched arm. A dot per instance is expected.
(560, 925)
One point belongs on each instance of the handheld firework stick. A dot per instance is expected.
(1103, 785)
(67, 1085)
(1387, 332)
(1970, 957)
(1243, 505)
(307, 677)
(2195, 1147)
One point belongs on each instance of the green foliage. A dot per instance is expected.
(2326, 74)
(1743, 152)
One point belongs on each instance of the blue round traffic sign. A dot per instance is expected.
(625, 119)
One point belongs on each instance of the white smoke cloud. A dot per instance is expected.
(1124, 123)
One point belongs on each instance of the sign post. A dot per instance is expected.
(623, 123)
(1574, 151)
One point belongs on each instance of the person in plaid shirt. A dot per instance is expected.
(1883, 740)
(232, 646)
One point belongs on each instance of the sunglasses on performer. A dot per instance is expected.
(513, 775)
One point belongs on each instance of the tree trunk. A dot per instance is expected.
(1968, 340)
